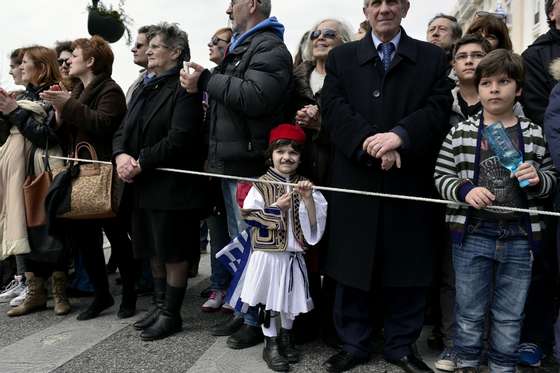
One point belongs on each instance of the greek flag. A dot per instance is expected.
(235, 256)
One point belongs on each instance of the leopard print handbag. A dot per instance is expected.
(96, 191)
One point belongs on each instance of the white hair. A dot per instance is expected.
(343, 33)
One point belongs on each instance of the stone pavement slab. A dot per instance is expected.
(43, 342)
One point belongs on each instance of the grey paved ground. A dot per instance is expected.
(43, 342)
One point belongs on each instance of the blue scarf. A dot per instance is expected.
(269, 23)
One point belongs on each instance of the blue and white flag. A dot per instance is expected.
(235, 256)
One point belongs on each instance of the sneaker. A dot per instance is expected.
(13, 289)
(214, 302)
(530, 355)
(20, 298)
(446, 360)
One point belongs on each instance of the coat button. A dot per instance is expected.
(376, 93)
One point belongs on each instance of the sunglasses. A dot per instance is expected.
(500, 16)
(216, 40)
(62, 61)
(327, 34)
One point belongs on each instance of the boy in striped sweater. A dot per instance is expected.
(492, 249)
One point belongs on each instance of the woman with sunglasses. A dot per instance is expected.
(309, 77)
(493, 29)
(218, 44)
(64, 53)
(216, 223)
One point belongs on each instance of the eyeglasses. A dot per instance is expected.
(215, 40)
(474, 56)
(62, 61)
(482, 13)
(327, 34)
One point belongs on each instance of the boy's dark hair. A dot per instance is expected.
(472, 39)
(549, 6)
(279, 143)
(501, 61)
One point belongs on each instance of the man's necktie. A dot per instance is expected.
(387, 49)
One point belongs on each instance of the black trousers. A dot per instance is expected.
(86, 236)
(403, 319)
(43, 269)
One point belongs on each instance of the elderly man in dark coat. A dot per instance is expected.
(386, 103)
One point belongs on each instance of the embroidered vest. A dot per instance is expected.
(271, 224)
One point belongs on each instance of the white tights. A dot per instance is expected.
(285, 320)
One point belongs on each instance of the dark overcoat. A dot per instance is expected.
(163, 128)
(539, 82)
(360, 100)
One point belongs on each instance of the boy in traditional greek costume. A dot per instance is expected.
(285, 221)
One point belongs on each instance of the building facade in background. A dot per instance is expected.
(526, 19)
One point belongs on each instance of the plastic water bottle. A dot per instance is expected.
(508, 155)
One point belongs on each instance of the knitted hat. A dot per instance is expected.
(287, 132)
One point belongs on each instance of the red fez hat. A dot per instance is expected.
(287, 132)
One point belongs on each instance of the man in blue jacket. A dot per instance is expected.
(247, 98)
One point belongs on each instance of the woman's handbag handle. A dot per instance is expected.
(87, 146)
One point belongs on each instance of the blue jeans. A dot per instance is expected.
(235, 226)
(219, 238)
(233, 212)
(493, 272)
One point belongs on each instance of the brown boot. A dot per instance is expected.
(36, 298)
(61, 304)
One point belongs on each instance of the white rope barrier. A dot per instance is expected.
(329, 189)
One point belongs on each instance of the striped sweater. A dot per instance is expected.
(456, 173)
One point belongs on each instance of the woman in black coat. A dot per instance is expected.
(163, 129)
(92, 113)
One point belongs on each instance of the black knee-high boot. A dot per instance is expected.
(169, 320)
(158, 302)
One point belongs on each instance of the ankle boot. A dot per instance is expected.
(100, 303)
(169, 320)
(61, 304)
(158, 302)
(273, 357)
(286, 344)
(36, 298)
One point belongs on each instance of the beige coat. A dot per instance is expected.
(14, 155)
